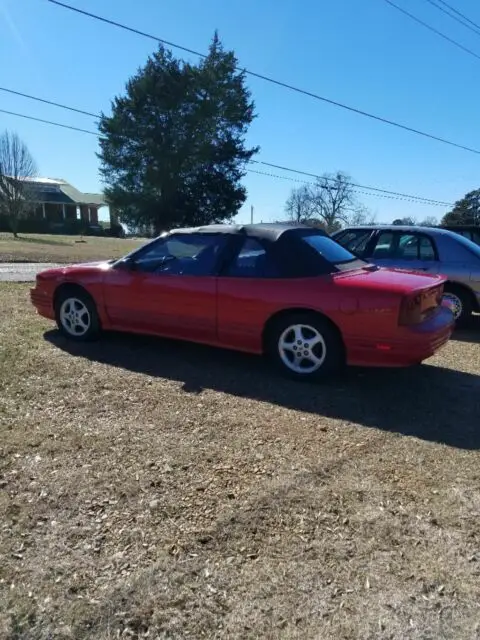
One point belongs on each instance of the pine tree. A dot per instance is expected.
(466, 211)
(173, 152)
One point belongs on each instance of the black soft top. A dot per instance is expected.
(263, 231)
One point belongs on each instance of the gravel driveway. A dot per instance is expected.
(22, 271)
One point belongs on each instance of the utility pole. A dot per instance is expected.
(251, 214)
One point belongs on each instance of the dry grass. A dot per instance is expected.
(155, 489)
(63, 249)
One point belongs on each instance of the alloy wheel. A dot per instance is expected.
(75, 317)
(302, 348)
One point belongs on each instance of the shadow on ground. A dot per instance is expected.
(429, 402)
(470, 334)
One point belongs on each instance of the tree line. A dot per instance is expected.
(173, 153)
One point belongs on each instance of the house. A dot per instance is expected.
(58, 202)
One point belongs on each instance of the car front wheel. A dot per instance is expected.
(77, 316)
(306, 347)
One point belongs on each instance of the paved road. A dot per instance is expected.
(21, 271)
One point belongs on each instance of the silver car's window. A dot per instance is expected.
(355, 241)
(384, 247)
(413, 246)
(426, 249)
(404, 246)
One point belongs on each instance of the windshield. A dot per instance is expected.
(332, 251)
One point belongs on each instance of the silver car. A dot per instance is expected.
(423, 249)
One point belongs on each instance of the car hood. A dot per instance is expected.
(388, 280)
(83, 268)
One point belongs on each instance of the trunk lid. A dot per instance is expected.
(388, 280)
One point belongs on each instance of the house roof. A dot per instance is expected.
(62, 192)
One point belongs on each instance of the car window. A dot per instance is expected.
(182, 254)
(384, 245)
(355, 241)
(329, 249)
(426, 249)
(407, 247)
(413, 246)
(252, 261)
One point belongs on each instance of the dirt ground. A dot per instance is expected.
(153, 489)
(63, 249)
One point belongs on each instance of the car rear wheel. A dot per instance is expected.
(306, 347)
(460, 302)
(77, 316)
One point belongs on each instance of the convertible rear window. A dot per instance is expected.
(329, 249)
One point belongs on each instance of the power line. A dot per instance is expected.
(427, 26)
(55, 124)
(459, 13)
(377, 190)
(412, 199)
(358, 186)
(278, 83)
(50, 102)
(449, 13)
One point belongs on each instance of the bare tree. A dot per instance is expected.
(328, 203)
(408, 221)
(332, 199)
(299, 204)
(429, 221)
(361, 216)
(17, 169)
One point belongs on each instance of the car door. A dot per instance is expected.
(247, 287)
(405, 250)
(169, 288)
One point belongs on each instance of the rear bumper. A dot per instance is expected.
(411, 346)
(43, 303)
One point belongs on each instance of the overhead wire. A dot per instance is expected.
(359, 186)
(271, 80)
(427, 26)
(377, 190)
(412, 199)
(449, 12)
(50, 102)
(459, 13)
(55, 124)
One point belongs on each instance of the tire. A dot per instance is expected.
(322, 347)
(76, 315)
(461, 302)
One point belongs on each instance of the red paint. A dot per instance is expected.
(233, 312)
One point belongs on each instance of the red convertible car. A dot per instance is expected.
(288, 291)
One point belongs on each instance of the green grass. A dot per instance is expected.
(63, 249)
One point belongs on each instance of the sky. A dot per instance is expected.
(363, 53)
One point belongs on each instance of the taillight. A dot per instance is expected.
(417, 306)
(410, 310)
(439, 295)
